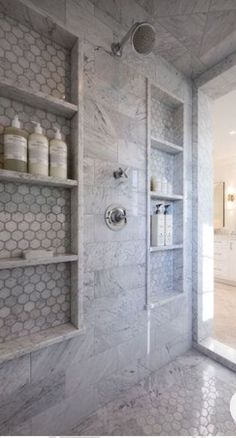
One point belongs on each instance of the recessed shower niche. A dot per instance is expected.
(165, 164)
(39, 80)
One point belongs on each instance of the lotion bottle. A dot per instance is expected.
(38, 152)
(168, 226)
(15, 147)
(158, 227)
(58, 156)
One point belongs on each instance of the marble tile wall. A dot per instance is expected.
(122, 342)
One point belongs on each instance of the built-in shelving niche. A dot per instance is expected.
(165, 160)
(40, 81)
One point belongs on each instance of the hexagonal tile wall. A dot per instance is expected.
(32, 60)
(33, 217)
(33, 299)
(166, 122)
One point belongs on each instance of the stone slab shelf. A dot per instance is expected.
(27, 344)
(165, 197)
(37, 99)
(165, 248)
(27, 178)
(164, 298)
(165, 146)
(18, 262)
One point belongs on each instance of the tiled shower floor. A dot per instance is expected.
(190, 396)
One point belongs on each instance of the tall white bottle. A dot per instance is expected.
(158, 227)
(58, 156)
(38, 151)
(168, 226)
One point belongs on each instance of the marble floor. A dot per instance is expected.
(190, 396)
(225, 314)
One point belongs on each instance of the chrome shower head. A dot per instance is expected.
(142, 36)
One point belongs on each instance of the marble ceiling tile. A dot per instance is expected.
(225, 5)
(188, 29)
(219, 26)
(220, 51)
(163, 8)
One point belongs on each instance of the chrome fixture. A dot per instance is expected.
(116, 217)
(142, 36)
(120, 173)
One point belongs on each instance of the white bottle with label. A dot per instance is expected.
(15, 147)
(58, 156)
(168, 226)
(158, 227)
(38, 152)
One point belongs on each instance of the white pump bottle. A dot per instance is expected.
(58, 156)
(38, 152)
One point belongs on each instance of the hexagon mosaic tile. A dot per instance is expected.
(33, 299)
(31, 60)
(188, 397)
(33, 217)
(167, 122)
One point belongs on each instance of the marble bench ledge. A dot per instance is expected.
(27, 344)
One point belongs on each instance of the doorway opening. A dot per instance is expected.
(214, 213)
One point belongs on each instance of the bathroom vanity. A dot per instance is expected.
(224, 258)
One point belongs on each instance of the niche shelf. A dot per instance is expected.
(40, 210)
(165, 197)
(165, 160)
(37, 99)
(165, 146)
(18, 262)
(164, 298)
(165, 248)
(27, 178)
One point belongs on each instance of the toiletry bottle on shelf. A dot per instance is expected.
(15, 147)
(58, 156)
(153, 183)
(38, 152)
(168, 226)
(158, 226)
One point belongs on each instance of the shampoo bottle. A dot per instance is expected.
(58, 156)
(15, 147)
(158, 227)
(38, 152)
(168, 226)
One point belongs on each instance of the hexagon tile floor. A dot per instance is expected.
(190, 396)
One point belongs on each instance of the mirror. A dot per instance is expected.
(219, 205)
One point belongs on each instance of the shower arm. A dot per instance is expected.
(118, 47)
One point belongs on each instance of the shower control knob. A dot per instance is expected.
(120, 173)
(116, 217)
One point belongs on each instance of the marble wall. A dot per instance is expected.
(51, 390)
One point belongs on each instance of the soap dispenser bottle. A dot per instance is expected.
(58, 156)
(15, 147)
(38, 151)
(158, 227)
(168, 225)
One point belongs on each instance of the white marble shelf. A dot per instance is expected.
(165, 146)
(18, 262)
(165, 248)
(27, 344)
(37, 99)
(27, 178)
(166, 197)
(164, 298)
